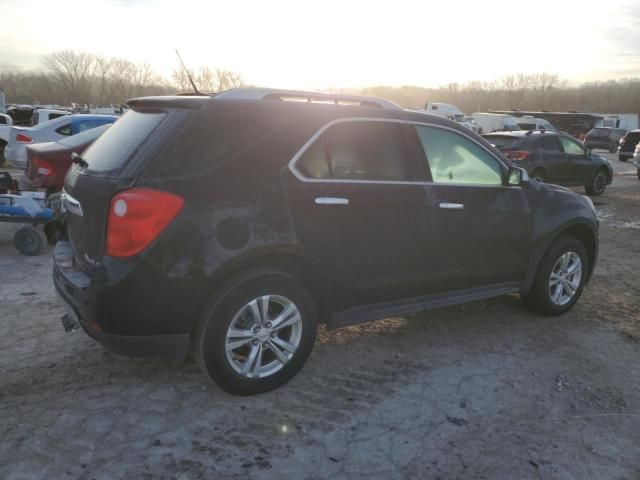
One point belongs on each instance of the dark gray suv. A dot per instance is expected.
(232, 225)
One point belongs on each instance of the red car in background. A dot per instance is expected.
(47, 163)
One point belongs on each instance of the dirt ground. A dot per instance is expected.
(486, 390)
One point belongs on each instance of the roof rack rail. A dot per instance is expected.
(307, 97)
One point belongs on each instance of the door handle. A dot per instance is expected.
(331, 201)
(452, 206)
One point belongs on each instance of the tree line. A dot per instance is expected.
(83, 78)
(71, 76)
(541, 91)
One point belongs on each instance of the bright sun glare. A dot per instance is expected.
(334, 43)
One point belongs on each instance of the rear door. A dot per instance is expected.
(553, 158)
(481, 227)
(359, 172)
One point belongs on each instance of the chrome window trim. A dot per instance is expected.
(326, 126)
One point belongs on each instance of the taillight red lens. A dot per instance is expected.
(136, 218)
(22, 138)
(516, 154)
(41, 166)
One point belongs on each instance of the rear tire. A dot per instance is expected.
(29, 241)
(244, 322)
(598, 183)
(543, 297)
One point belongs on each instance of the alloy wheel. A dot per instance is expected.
(565, 279)
(599, 183)
(263, 336)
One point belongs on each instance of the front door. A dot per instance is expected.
(482, 227)
(579, 165)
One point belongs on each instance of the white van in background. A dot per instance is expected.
(532, 123)
(451, 112)
(495, 122)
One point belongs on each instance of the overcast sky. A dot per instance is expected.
(338, 43)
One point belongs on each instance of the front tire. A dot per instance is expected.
(598, 184)
(257, 333)
(560, 278)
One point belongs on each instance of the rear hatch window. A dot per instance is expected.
(503, 142)
(111, 152)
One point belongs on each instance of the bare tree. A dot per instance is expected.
(542, 84)
(74, 71)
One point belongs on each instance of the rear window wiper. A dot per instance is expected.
(75, 158)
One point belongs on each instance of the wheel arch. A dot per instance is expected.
(581, 230)
(289, 260)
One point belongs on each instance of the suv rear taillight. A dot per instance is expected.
(136, 218)
(516, 154)
(22, 138)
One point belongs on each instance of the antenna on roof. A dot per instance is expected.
(193, 84)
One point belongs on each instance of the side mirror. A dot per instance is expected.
(517, 176)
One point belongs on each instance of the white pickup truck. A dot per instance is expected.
(5, 127)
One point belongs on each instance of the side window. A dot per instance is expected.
(65, 129)
(314, 162)
(55, 115)
(367, 151)
(571, 146)
(549, 143)
(454, 158)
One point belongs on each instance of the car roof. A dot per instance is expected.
(294, 103)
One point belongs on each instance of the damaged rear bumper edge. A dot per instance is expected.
(71, 287)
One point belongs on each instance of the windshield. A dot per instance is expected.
(599, 132)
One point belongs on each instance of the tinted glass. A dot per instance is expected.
(3, 120)
(314, 162)
(527, 126)
(56, 115)
(549, 143)
(502, 142)
(453, 158)
(212, 138)
(112, 150)
(368, 151)
(571, 146)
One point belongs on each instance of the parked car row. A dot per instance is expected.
(15, 152)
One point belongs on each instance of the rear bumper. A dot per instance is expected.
(82, 299)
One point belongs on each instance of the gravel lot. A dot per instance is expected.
(486, 390)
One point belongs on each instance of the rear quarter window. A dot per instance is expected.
(114, 148)
(210, 139)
